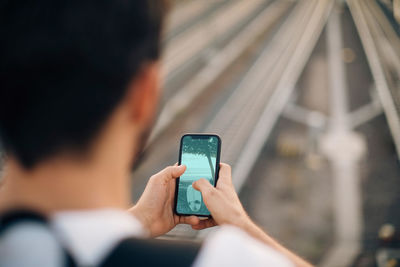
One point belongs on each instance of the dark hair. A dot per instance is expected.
(64, 67)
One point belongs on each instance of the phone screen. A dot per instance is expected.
(200, 154)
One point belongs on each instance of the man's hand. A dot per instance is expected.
(155, 208)
(225, 207)
(222, 201)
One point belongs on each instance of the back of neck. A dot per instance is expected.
(64, 185)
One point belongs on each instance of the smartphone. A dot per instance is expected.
(201, 155)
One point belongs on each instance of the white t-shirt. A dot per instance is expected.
(91, 235)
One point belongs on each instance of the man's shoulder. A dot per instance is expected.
(110, 237)
(231, 246)
(25, 241)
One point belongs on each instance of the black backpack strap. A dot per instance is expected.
(15, 217)
(152, 252)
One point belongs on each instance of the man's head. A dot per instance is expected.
(66, 66)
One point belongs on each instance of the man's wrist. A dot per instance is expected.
(252, 229)
(255, 231)
(244, 222)
(135, 211)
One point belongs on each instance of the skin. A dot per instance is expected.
(155, 207)
(100, 178)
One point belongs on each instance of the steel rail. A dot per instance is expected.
(344, 149)
(388, 42)
(190, 43)
(219, 63)
(238, 116)
(183, 14)
(259, 71)
(295, 58)
(277, 49)
(377, 68)
(282, 92)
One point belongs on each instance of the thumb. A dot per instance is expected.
(173, 172)
(204, 187)
(177, 171)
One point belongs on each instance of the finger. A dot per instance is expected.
(203, 224)
(192, 220)
(225, 173)
(204, 186)
(172, 172)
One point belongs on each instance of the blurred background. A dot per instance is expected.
(305, 96)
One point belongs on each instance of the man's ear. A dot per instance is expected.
(143, 94)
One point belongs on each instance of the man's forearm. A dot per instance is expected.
(259, 234)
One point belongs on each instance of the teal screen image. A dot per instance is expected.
(199, 154)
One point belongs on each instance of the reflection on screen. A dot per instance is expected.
(199, 154)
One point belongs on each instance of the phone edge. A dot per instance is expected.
(218, 161)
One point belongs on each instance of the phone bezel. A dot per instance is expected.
(217, 163)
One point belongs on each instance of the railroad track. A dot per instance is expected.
(184, 15)
(244, 119)
(381, 46)
(220, 61)
(261, 96)
(195, 44)
(247, 117)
